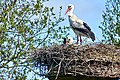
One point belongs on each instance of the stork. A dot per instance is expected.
(79, 27)
(70, 40)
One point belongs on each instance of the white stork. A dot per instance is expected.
(70, 40)
(79, 27)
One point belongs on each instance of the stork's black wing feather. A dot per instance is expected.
(86, 26)
(82, 30)
(92, 35)
(86, 32)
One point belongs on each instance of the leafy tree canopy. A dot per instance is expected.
(25, 25)
(111, 22)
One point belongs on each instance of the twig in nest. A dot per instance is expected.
(59, 68)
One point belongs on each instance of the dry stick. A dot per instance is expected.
(55, 66)
(88, 66)
(59, 68)
(55, 61)
(75, 66)
(80, 73)
(50, 68)
(66, 65)
(113, 56)
(69, 62)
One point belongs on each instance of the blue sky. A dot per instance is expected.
(89, 11)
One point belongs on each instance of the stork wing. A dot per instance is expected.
(82, 30)
(86, 32)
(83, 23)
(86, 26)
(79, 22)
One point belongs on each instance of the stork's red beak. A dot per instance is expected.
(68, 10)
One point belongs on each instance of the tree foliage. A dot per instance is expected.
(111, 22)
(25, 25)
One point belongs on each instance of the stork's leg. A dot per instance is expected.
(80, 40)
(77, 40)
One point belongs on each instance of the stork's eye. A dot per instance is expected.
(69, 6)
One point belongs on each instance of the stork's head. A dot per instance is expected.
(70, 9)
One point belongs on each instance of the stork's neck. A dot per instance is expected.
(70, 12)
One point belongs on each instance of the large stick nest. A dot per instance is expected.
(98, 60)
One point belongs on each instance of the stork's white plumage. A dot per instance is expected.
(79, 27)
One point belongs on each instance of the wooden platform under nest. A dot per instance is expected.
(97, 60)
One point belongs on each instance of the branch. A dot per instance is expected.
(59, 68)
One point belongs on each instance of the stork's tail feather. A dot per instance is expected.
(92, 35)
